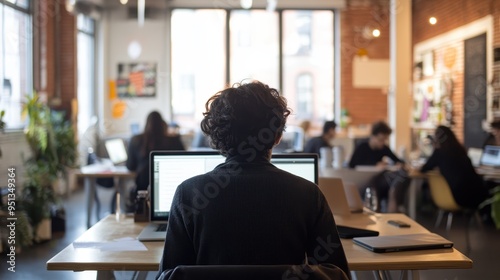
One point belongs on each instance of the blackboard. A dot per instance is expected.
(474, 91)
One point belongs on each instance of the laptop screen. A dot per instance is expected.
(302, 165)
(171, 168)
(491, 156)
(116, 150)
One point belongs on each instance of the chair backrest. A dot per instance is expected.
(441, 192)
(261, 272)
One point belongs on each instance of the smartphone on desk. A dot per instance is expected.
(398, 223)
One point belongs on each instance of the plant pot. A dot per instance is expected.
(44, 230)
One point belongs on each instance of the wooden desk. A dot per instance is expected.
(358, 258)
(89, 174)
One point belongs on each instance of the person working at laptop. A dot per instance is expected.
(493, 138)
(315, 144)
(451, 158)
(247, 211)
(390, 185)
(154, 137)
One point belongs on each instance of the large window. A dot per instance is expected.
(85, 57)
(254, 46)
(198, 61)
(15, 60)
(215, 48)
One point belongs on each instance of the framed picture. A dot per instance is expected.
(136, 80)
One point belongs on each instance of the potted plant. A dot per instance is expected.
(2, 123)
(53, 148)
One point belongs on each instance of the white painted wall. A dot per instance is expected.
(118, 33)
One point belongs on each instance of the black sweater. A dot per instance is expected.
(245, 213)
(365, 155)
(466, 185)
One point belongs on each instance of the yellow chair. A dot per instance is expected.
(444, 200)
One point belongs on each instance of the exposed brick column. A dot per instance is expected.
(55, 68)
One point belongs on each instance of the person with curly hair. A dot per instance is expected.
(247, 211)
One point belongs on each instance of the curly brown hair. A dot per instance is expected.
(245, 119)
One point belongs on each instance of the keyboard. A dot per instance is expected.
(162, 227)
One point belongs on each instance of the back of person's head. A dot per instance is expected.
(155, 123)
(329, 125)
(245, 119)
(155, 130)
(380, 127)
(447, 141)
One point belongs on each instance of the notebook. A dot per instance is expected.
(406, 242)
(168, 169)
(491, 156)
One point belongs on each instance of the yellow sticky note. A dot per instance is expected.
(112, 89)
(118, 109)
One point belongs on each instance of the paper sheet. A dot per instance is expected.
(117, 245)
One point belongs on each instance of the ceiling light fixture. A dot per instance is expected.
(246, 4)
(432, 20)
(141, 6)
(376, 33)
(124, 2)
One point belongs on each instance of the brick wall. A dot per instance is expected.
(364, 105)
(68, 59)
(450, 15)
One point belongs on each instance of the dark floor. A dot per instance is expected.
(30, 263)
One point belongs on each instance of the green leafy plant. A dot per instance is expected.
(494, 201)
(53, 148)
(2, 123)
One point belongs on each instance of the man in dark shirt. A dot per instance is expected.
(246, 211)
(387, 184)
(315, 144)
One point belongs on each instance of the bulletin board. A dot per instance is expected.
(136, 80)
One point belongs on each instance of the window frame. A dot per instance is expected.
(28, 12)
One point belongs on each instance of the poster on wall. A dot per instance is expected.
(136, 79)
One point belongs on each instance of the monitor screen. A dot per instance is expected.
(171, 168)
(116, 150)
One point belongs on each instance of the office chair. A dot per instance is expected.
(444, 200)
(251, 272)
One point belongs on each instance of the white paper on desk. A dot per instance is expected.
(117, 245)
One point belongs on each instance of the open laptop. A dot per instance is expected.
(334, 192)
(116, 151)
(343, 198)
(168, 169)
(404, 242)
(491, 156)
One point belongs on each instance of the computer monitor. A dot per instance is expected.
(168, 169)
(116, 150)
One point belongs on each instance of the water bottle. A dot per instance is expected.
(338, 155)
(371, 199)
(326, 157)
(141, 207)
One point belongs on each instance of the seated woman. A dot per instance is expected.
(493, 138)
(450, 157)
(154, 137)
(247, 211)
